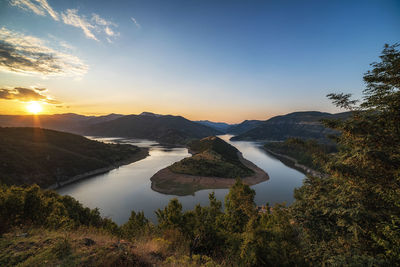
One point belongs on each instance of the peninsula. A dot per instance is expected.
(214, 164)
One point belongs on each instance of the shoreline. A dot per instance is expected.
(142, 154)
(167, 182)
(296, 165)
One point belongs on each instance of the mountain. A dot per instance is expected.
(48, 157)
(220, 126)
(162, 128)
(147, 125)
(305, 125)
(68, 122)
(244, 126)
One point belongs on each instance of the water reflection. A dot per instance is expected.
(127, 188)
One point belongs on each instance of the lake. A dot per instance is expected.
(127, 188)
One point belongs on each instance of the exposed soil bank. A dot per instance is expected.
(143, 153)
(167, 182)
(293, 163)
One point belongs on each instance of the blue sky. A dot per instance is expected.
(216, 60)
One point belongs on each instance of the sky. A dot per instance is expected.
(205, 60)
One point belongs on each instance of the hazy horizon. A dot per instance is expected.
(223, 61)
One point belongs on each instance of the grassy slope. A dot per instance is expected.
(82, 247)
(34, 155)
(213, 157)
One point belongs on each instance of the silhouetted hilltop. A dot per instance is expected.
(147, 125)
(67, 122)
(244, 126)
(162, 128)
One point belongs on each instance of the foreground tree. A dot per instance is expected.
(354, 216)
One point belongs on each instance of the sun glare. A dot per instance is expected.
(34, 107)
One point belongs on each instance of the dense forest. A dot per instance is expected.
(309, 153)
(349, 218)
(35, 155)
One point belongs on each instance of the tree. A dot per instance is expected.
(171, 216)
(353, 217)
(137, 225)
(239, 206)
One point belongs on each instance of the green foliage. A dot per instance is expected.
(307, 152)
(239, 206)
(353, 218)
(35, 155)
(214, 158)
(203, 228)
(171, 216)
(137, 225)
(33, 206)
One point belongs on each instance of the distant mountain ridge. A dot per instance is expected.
(220, 126)
(177, 129)
(305, 125)
(244, 126)
(68, 122)
(163, 128)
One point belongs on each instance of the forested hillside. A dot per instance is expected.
(304, 125)
(212, 157)
(45, 157)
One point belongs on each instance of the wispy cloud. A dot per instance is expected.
(136, 23)
(46, 6)
(71, 17)
(39, 7)
(26, 95)
(91, 27)
(100, 21)
(21, 53)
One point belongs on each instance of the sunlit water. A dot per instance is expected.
(127, 188)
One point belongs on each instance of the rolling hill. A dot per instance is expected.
(48, 157)
(212, 157)
(214, 164)
(162, 128)
(243, 127)
(305, 125)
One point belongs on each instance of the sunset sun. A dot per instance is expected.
(34, 107)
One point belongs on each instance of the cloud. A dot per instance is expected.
(39, 7)
(27, 54)
(136, 23)
(96, 24)
(72, 18)
(100, 21)
(26, 95)
(109, 32)
(49, 10)
(101, 24)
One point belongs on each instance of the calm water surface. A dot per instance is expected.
(127, 188)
